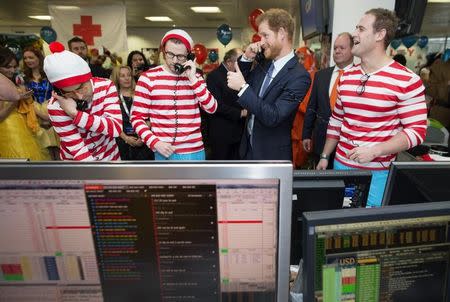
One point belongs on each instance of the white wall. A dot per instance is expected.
(347, 13)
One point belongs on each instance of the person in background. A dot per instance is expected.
(225, 126)
(272, 90)
(380, 108)
(138, 63)
(79, 47)
(323, 98)
(36, 80)
(299, 155)
(130, 145)
(84, 110)
(170, 96)
(19, 125)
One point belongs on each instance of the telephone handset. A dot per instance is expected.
(260, 57)
(179, 69)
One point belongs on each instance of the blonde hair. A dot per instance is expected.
(115, 76)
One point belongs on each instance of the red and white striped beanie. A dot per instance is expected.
(64, 68)
(181, 35)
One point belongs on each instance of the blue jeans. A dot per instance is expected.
(377, 185)
(200, 155)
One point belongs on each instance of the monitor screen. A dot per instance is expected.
(400, 253)
(320, 190)
(313, 17)
(415, 182)
(159, 232)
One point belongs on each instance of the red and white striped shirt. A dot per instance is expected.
(393, 101)
(171, 103)
(90, 135)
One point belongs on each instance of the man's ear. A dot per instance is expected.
(380, 35)
(282, 32)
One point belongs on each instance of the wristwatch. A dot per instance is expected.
(324, 156)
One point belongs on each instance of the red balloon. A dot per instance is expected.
(256, 38)
(252, 17)
(200, 53)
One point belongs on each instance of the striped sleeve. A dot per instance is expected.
(72, 144)
(110, 122)
(140, 111)
(412, 111)
(205, 98)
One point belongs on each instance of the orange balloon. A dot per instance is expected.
(252, 18)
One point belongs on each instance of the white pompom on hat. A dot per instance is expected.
(64, 68)
(178, 34)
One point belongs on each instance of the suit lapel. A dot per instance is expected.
(289, 65)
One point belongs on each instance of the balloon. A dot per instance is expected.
(200, 53)
(48, 34)
(422, 42)
(396, 43)
(256, 38)
(252, 17)
(16, 49)
(213, 56)
(409, 41)
(224, 34)
(446, 55)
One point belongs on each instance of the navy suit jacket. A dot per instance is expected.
(318, 111)
(274, 111)
(225, 125)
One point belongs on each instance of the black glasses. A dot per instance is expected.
(362, 87)
(171, 55)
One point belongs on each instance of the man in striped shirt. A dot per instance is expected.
(380, 109)
(169, 97)
(85, 111)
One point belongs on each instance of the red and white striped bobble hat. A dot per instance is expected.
(64, 68)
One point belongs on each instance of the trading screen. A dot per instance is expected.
(165, 240)
(392, 260)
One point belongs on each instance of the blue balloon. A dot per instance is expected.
(446, 55)
(409, 41)
(224, 34)
(213, 56)
(396, 43)
(48, 34)
(422, 42)
(16, 49)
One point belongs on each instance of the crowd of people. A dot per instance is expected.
(264, 102)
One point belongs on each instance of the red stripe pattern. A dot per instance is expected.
(90, 135)
(164, 98)
(393, 101)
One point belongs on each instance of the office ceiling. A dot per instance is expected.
(234, 12)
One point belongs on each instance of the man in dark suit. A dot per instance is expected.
(323, 96)
(226, 124)
(272, 90)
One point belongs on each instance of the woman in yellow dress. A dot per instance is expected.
(36, 80)
(19, 125)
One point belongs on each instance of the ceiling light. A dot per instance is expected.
(41, 17)
(205, 9)
(67, 7)
(159, 19)
(439, 1)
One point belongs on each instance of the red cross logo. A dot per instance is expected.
(87, 30)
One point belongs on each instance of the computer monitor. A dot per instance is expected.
(319, 190)
(399, 253)
(171, 231)
(414, 182)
